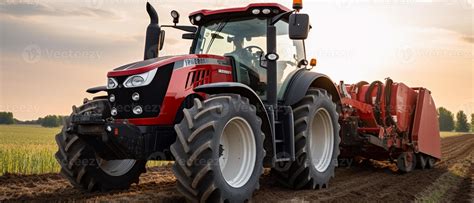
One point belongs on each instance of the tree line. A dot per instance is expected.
(446, 120)
(448, 123)
(50, 121)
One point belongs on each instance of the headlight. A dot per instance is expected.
(112, 98)
(112, 83)
(135, 96)
(140, 80)
(137, 110)
(113, 112)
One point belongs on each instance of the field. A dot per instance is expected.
(449, 134)
(450, 181)
(30, 149)
(27, 149)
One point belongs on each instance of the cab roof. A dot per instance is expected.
(208, 15)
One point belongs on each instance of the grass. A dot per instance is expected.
(30, 149)
(27, 149)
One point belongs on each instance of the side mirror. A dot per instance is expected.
(298, 26)
(189, 36)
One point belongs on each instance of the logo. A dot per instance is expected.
(31, 53)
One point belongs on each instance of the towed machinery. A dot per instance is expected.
(244, 98)
(390, 121)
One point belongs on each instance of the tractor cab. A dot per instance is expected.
(241, 34)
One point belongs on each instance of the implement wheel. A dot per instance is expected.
(406, 162)
(420, 161)
(430, 161)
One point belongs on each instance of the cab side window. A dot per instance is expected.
(290, 52)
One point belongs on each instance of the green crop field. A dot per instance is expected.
(30, 149)
(27, 149)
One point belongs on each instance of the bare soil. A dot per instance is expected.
(450, 180)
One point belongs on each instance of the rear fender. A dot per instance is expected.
(303, 80)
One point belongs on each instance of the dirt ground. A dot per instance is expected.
(451, 180)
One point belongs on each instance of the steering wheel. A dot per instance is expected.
(251, 47)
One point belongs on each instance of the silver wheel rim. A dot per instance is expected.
(321, 140)
(237, 152)
(116, 167)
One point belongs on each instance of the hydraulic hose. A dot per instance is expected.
(388, 97)
(355, 88)
(368, 99)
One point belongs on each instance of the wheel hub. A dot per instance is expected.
(116, 167)
(321, 140)
(237, 152)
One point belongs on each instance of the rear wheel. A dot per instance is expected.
(84, 169)
(316, 143)
(219, 150)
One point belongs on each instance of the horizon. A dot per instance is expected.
(51, 51)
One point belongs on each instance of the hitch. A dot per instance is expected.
(110, 141)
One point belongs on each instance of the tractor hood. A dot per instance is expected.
(179, 62)
(157, 75)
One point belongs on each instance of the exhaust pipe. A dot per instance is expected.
(153, 32)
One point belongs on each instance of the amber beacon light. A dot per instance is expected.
(297, 4)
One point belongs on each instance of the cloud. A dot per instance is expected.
(469, 39)
(29, 9)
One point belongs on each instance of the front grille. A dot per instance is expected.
(151, 96)
(197, 77)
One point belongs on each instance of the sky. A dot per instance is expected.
(51, 51)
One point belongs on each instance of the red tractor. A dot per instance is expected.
(244, 98)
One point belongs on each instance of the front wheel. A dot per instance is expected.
(316, 143)
(219, 150)
(84, 169)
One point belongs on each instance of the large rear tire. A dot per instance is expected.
(219, 150)
(84, 169)
(316, 143)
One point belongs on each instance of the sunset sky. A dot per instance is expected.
(52, 51)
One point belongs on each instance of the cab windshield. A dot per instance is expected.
(233, 37)
(244, 39)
